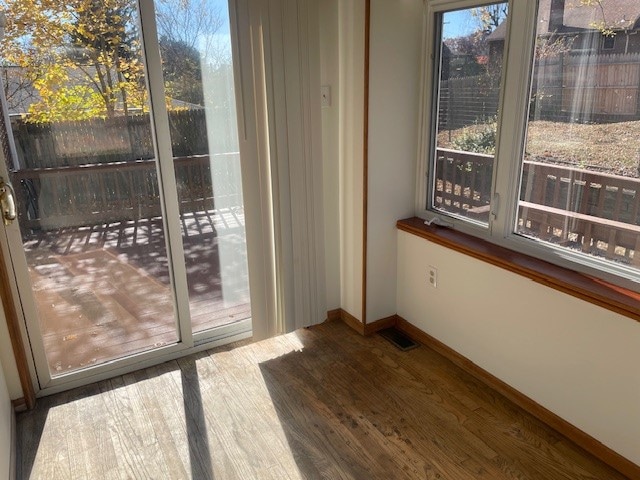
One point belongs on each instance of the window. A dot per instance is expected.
(608, 42)
(468, 93)
(531, 137)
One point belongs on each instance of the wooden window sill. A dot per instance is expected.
(590, 289)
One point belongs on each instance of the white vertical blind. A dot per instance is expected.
(284, 48)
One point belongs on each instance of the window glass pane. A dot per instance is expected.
(195, 46)
(471, 49)
(580, 188)
(85, 175)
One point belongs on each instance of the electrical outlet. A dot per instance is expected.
(433, 276)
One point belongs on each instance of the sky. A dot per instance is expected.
(223, 6)
(218, 42)
(458, 23)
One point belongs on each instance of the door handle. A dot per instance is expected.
(7, 202)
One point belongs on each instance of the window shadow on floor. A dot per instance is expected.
(118, 425)
(328, 434)
(199, 454)
(353, 407)
(317, 403)
(31, 425)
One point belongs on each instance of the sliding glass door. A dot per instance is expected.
(121, 147)
(195, 48)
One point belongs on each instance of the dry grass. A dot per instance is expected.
(613, 147)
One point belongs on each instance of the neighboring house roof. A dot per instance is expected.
(499, 33)
(619, 15)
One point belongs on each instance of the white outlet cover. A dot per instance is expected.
(433, 276)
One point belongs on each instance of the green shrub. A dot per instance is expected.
(478, 138)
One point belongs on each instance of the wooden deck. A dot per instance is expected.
(103, 291)
(318, 403)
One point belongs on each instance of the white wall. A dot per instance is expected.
(576, 359)
(6, 414)
(7, 360)
(10, 389)
(394, 90)
(329, 76)
(350, 141)
(394, 87)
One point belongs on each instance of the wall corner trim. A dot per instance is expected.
(19, 352)
(333, 315)
(358, 326)
(571, 432)
(20, 405)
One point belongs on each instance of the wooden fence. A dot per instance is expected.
(595, 212)
(594, 88)
(466, 101)
(119, 191)
(108, 140)
(599, 87)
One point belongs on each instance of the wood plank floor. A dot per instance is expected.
(318, 403)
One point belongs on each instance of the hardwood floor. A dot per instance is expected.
(317, 403)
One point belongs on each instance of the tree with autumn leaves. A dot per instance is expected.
(81, 56)
(81, 59)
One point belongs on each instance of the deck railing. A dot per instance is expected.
(596, 212)
(463, 181)
(120, 191)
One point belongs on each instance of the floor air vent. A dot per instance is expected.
(398, 338)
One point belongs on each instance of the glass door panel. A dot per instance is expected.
(85, 175)
(195, 47)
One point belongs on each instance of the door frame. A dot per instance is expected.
(258, 224)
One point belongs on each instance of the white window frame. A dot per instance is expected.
(511, 136)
